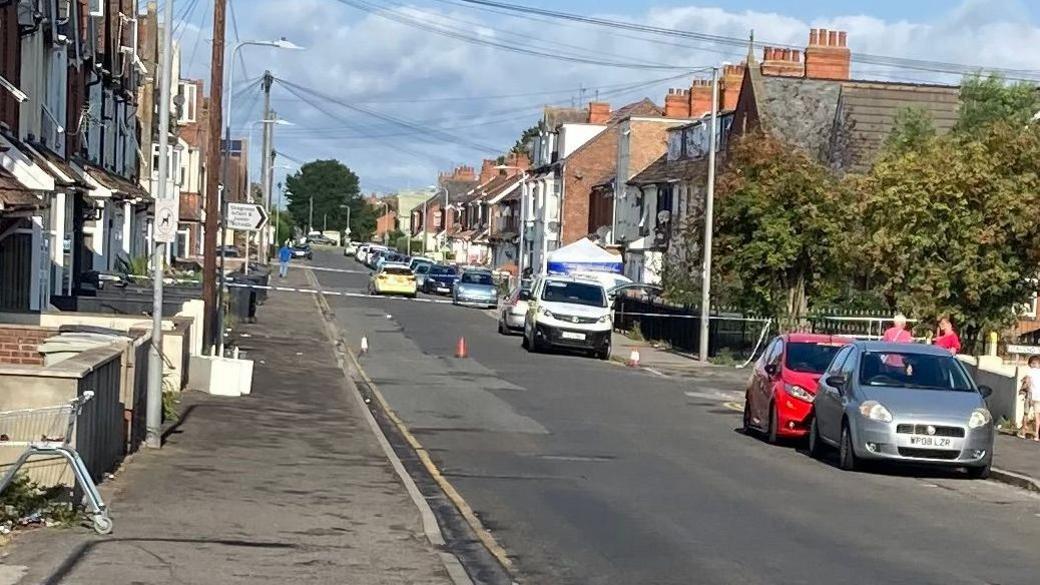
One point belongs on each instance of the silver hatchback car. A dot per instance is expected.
(902, 402)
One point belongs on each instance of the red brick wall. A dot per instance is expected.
(18, 344)
(828, 56)
(191, 206)
(590, 165)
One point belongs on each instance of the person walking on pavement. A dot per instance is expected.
(284, 256)
(946, 337)
(897, 333)
(1031, 390)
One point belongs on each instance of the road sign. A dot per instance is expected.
(166, 211)
(245, 216)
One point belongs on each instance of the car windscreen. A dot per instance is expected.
(913, 370)
(422, 268)
(442, 270)
(477, 278)
(397, 270)
(811, 358)
(578, 293)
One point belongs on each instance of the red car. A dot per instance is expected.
(782, 388)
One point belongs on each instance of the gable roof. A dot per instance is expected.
(644, 107)
(664, 171)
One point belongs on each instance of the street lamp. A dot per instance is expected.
(279, 44)
(523, 218)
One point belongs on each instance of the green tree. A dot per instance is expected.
(520, 147)
(779, 219)
(952, 229)
(912, 128)
(988, 100)
(333, 187)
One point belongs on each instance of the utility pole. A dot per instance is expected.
(265, 162)
(709, 205)
(523, 226)
(153, 411)
(209, 263)
(425, 224)
(310, 215)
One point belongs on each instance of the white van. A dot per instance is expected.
(568, 312)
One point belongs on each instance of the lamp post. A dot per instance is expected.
(523, 218)
(279, 44)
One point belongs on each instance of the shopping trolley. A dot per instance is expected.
(49, 431)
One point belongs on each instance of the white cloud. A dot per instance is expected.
(361, 57)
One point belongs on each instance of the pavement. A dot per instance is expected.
(588, 472)
(287, 485)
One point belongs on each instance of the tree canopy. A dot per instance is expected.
(989, 100)
(333, 187)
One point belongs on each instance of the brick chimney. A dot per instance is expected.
(677, 103)
(518, 160)
(488, 171)
(700, 97)
(782, 62)
(732, 79)
(827, 56)
(599, 112)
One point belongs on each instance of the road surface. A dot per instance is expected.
(591, 473)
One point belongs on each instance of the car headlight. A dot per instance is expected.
(979, 417)
(547, 313)
(606, 318)
(799, 393)
(874, 410)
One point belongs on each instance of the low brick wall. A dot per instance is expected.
(19, 344)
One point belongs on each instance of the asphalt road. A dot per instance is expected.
(588, 472)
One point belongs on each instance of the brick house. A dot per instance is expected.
(433, 219)
(471, 239)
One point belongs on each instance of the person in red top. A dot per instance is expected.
(897, 333)
(947, 337)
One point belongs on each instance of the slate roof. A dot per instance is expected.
(644, 107)
(664, 171)
(800, 111)
(554, 116)
(14, 195)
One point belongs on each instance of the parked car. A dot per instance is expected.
(902, 403)
(392, 279)
(369, 249)
(567, 312)
(229, 251)
(390, 257)
(415, 261)
(475, 288)
(514, 310)
(780, 393)
(302, 250)
(441, 279)
(351, 249)
(362, 253)
(421, 270)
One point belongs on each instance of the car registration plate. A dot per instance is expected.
(926, 441)
(572, 335)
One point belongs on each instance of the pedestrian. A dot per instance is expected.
(897, 333)
(284, 256)
(1031, 390)
(946, 337)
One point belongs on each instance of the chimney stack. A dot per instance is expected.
(732, 80)
(488, 171)
(782, 62)
(677, 103)
(700, 97)
(827, 56)
(599, 112)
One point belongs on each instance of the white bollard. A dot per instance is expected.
(364, 345)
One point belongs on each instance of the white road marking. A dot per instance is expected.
(656, 372)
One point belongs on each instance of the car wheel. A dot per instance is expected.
(604, 354)
(774, 423)
(748, 428)
(979, 472)
(815, 443)
(846, 453)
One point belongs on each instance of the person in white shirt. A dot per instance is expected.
(1031, 388)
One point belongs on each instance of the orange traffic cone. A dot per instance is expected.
(460, 348)
(633, 359)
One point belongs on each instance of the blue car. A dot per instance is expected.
(440, 279)
(476, 288)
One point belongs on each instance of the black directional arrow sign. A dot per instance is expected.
(248, 217)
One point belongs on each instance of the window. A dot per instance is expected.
(914, 371)
(812, 358)
(188, 92)
(477, 278)
(578, 293)
(839, 360)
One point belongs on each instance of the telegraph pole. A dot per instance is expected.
(153, 411)
(265, 162)
(709, 205)
(216, 122)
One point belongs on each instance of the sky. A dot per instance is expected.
(390, 89)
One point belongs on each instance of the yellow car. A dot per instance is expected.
(393, 279)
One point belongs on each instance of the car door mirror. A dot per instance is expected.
(525, 295)
(837, 381)
(986, 391)
(772, 369)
